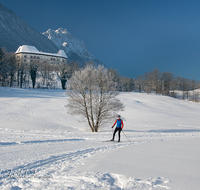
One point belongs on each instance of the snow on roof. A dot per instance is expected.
(27, 49)
(62, 53)
(34, 50)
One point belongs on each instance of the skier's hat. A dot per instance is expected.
(118, 116)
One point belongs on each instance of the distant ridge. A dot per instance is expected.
(14, 32)
(73, 47)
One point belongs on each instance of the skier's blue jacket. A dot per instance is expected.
(120, 123)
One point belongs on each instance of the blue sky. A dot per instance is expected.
(133, 36)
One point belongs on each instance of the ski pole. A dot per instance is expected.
(126, 136)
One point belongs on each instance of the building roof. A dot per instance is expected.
(34, 50)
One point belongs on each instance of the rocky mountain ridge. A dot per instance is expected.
(73, 47)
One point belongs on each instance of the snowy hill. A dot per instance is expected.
(45, 148)
(73, 47)
(15, 32)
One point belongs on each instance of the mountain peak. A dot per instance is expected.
(63, 31)
(58, 31)
(73, 47)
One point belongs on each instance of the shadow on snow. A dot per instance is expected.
(45, 141)
(165, 131)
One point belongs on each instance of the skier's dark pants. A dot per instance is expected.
(119, 131)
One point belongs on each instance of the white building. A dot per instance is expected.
(27, 54)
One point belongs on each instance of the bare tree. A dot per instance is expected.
(72, 66)
(116, 75)
(155, 80)
(183, 87)
(11, 66)
(147, 83)
(139, 83)
(187, 88)
(65, 71)
(33, 72)
(62, 74)
(92, 95)
(43, 70)
(47, 71)
(3, 68)
(22, 69)
(122, 83)
(196, 96)
(8, 67)
(173, 87)
(127, 84)
(166, 78)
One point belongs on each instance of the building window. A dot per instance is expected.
(25, 56)
(24, 60)
(31, 57)
(34, 57)
(38, 57)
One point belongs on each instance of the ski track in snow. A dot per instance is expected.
(55, 167)
(53, 154)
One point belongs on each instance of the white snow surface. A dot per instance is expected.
(37, 135)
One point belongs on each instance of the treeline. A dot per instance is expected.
(34, 74)
(167, 84)
(45, 75)
(123, 84)
(160, 83)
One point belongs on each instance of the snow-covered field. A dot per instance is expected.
(42, 147)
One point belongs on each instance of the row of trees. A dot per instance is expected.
(48, 76)
(123, 84)
(22, 75)
(167, 84)
(45, 75)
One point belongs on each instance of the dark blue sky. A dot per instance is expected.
(132, 36)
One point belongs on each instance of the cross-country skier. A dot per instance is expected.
(118, 128)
